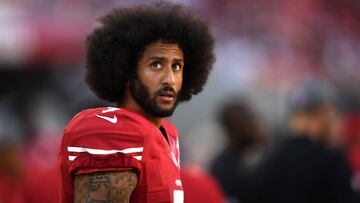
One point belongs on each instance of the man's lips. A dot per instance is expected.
(167, 96)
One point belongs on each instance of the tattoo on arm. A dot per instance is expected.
(105, 187)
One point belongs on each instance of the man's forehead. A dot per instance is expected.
(163, 48)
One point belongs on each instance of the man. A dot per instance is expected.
(146, 58)
(235, 167)
(305, 168)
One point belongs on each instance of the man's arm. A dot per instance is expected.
(106, 187)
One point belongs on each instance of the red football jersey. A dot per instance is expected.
(108, 139)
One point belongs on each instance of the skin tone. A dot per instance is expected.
(114, 187)
(160, 66)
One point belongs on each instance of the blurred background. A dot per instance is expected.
(266, 50)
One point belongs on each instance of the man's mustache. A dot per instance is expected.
(166, 90)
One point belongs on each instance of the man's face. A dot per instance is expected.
(159, 79)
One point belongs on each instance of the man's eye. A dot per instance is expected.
(177, 66)
(156, 65)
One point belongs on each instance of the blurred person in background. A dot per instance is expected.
(11, 161)
(27, 151)
(147, 59)
(305, 167)
(40, 148)
(236, 166)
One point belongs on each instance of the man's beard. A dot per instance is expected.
(142, 96)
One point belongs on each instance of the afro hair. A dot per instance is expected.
(114, 48)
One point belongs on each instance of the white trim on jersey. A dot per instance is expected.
(105, 152)
(72, 158)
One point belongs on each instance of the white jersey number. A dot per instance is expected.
(178, 196)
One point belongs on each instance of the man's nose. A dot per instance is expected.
(169, 76)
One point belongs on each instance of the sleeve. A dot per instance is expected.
(105, 143)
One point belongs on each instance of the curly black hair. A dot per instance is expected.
(114, 48)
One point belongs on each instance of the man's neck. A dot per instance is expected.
(155, 120)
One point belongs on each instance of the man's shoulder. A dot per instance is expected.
(104, 131)
(107, 120)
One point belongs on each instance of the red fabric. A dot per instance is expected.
(86, 163)
(351, 126)
(41, 185)
(41, 175)
(108, 139)
(200, 187)
(351, 132)
(10, 189)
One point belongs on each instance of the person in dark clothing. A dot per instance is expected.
(304, 168)
(236, 165)
(302, 171)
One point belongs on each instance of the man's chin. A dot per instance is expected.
(162, 111)
(165, 112)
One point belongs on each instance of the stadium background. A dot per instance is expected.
(264, 50)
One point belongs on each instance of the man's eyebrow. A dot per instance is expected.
(179, 60)
(161, 58)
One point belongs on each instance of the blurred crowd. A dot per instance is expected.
(279, 120)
